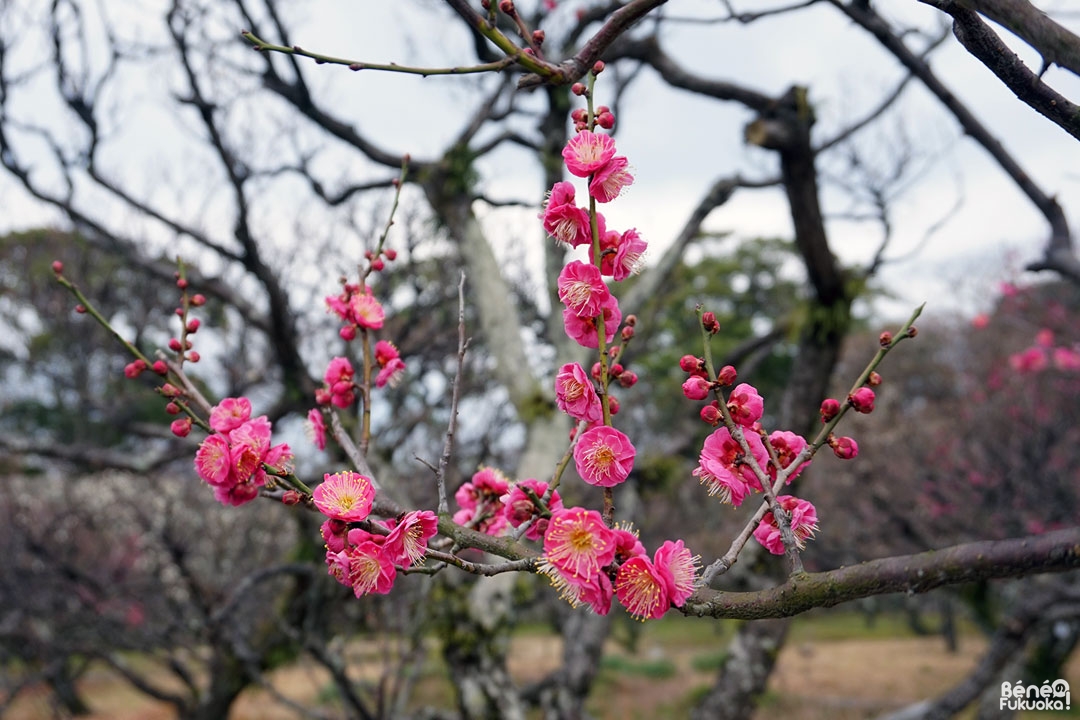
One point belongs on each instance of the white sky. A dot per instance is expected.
(676, 143)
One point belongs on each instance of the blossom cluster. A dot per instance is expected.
(367, 559)
(490, 503)
(233, 460)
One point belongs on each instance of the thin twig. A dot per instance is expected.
(455, 396)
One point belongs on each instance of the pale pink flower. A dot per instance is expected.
(1066, 359)
(229, 414)
(804, 523)
(678, 568)
(787, 446)
(344, 496)
(587, 152)
(575, 394)
(745, 404)
(407, 542)
(610, 180)
(582, 289)
(641, 589)
(370, 570)
(604, 456)
(316, 428)
(583, 330)
(563, 220)
(578, 543)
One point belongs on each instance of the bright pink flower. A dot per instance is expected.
(407, 542)
(181, 427)
(481, 501)
(787, 445)
(1031, 360)
(745, 405)
(696, 388)
(337, 565)
(578, 543)
(391, 373)
(583, 330)
(597, 593)
(366, 311)
(316, 428)
(804, 523)
(587, 152)
(610, 180)
(370, 570)
(641, 589)
(629, 255)
(582, 289)
(563, 220)
(344, 496)
(333, 534)
(862, 400)
(385, 351)
(845, 448)
(236, 495)
(212, 460)
(357, 536)
(230, 414)
(338, 370)
(678, 568)
(520, 508)
(627, 544)
(1066, 359)
(575, 394)
(723, 465)
(604, 456)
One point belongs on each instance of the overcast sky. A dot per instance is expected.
(676, 143)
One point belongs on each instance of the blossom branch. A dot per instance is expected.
(487, 569)
(455, 396)
(1056, 551)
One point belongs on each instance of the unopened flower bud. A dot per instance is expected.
(57, 267)
(830, 408)
(322, 396)
(874, 379)
(194, 356)
(198, 300)
(727, 375)
(172, 408)
(160, 367)
(613, 404)
(885, 339)
(615, 370)
(182, 283)
(696, 388)
(627, 378)
(81, 309)
(290, 497)
(709, 322)
(170, 391)
(862, 400)
(578, 89)
(912, 331)
(377, 264)
(507, 6)
(578, 127)
(689, 363)
(342, 387)
(174, 344)
(605, 120)
(390, 254)
(193, 325)
(598, 67)
(347, 332)
(579, 115)
(631, 320)
(711, 414)
(627, 333)
(538, 37)
(181, 427)
(133, 369)
(844, 448)
(596, 371)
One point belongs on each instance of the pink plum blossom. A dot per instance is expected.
(787, 446)
(565, 221)
(610, 180)
(604, 456)
(804, 523)
(641, 589)
(407, 542)
(370, 570)
(583, 330)
(582, 289)
(678, 568)
(578, 543)
(520, 508)
(575, 394)
(745, 404)
(587, 152)
(316, 428)
(345, 496)
(230, 414)
(723, 466)
(1031, 360)
(481, 501)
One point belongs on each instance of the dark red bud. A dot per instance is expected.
(291, 497)
(193, 356)
(727, 375)
(181, 427)
(578, 89)
(193, 325)
(57, 267)
(830, 408)
(160, 367)
(628, 378)
(172, 408)
(377, 264)
(182, 283)
(627, 333)
(613, 404)
(174, 344)
(81, 309)
(885, 339)
(347, 333)
(390, 254)
(689, 363)
(598, 67)
(711, 414)
(912, 331)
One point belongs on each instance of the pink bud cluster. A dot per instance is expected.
(358, 308)
(490, 503)
(235, 458)
(367, 559)
(591, 563)
(339, 388)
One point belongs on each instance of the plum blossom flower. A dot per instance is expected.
(234, 462)
(565, 221)
(604, 456)
(316, 428)
(641, 589)
(390, 362)
(407, 542)
(520, 507)
(575, 394)
(345, 496)
(745, 404)
(723, 467)
(481, 501)
(787, 446)
(1066, 359)
(230, 414)
(587, 152)
(678, 568)
(583, 330)
(696, 388)
(804, 523)
(578, 543)
(369, 570)
(582, 289)
(610, 179)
